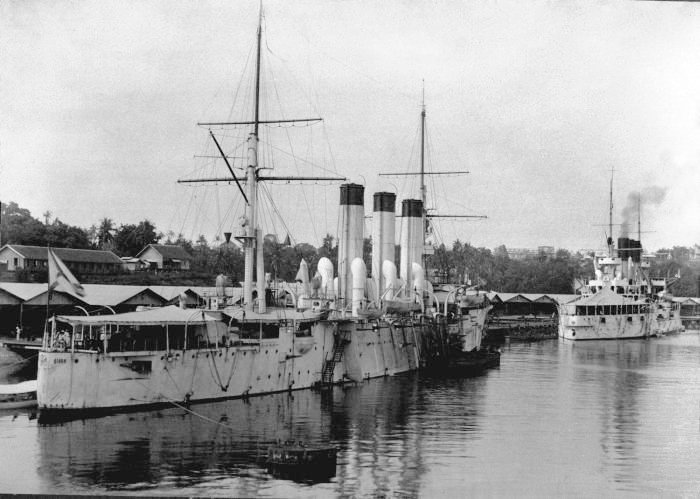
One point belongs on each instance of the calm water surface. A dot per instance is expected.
(594, 418)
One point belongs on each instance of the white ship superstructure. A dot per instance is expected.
(622, 301)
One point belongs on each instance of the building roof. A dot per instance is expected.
(606, 297)
(168, 251)
(113, 295)
(65, 254)
(29, 291)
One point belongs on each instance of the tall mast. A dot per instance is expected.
(251, 229)
(422, 151)
(639, 217)
(251, 234)
(257, 75)
(610, 215)
(423, 193)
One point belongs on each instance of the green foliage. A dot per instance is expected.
(678, 263)
(130, 239)
(493, 270)
(19, 227)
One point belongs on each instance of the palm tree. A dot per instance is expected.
(105, 233)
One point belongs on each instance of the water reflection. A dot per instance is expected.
(381, 428)
(557, 418)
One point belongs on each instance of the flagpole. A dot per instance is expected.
(48, 289)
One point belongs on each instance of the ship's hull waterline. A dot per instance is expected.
(90, 380)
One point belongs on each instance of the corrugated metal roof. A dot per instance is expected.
(168, 251)
(112, 295)
(496, 297)
(66, 254)
(25, 290)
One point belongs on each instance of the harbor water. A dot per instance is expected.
(557, 418)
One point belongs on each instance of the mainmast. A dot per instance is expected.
(251, 234)
(425, 217)
(423, 193)
(252, 237)
(610, 215)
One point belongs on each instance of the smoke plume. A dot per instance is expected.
(647, 197)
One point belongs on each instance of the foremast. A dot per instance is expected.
(251, 234)
(253, 237)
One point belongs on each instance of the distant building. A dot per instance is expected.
(549, 251)
(694, 256)
(165, 257)
(133, 264)
(523, 253)
(82, 261)
(520, 253)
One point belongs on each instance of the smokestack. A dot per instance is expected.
(623, 251)
(383, 236)
(352, 214)
(636, 250)
(411, 237)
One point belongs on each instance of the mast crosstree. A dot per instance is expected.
(251, 234)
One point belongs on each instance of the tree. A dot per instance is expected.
(19, 227)
(105, 233)
(60, 235)
(130, 239)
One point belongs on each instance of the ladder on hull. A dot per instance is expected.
(337, 356)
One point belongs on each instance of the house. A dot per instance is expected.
(132, 264)
(81, 261)
(165, 257)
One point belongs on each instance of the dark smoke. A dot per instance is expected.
(650, 196)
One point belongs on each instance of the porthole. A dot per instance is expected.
(76, 361)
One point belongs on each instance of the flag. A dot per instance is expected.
(61, 278)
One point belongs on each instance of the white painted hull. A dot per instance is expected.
(84, 380)
(667, 320)
(658, 321)
(91, 380)
(577, 328)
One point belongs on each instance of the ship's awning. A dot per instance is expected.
(273, 314)
(170, 315)
(23, 387)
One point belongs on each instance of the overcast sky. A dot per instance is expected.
(99, 102)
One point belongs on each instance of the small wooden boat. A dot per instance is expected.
(297, 459)
(18, 395)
